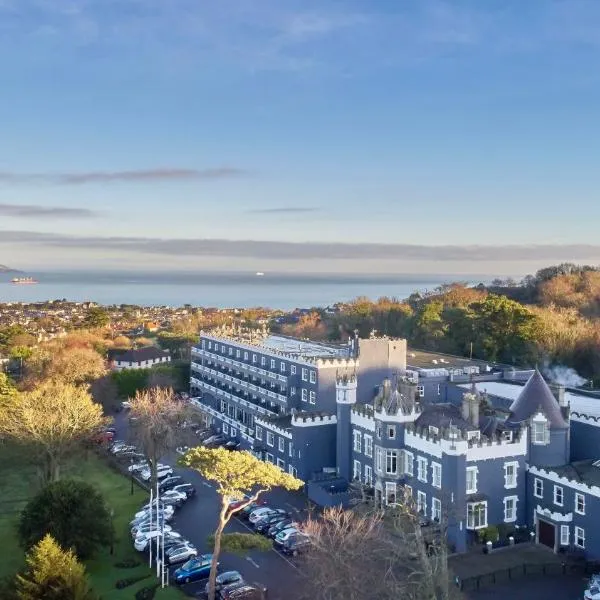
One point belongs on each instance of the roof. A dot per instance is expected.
(581, 471)
(304, 348)
(141, 354)
(442, 416)
(421, 359)
(534, 397)
(282, 421)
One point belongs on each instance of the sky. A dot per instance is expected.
(366, 136)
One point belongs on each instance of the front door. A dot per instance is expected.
(546, 533)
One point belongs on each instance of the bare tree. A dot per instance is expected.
(157, 417)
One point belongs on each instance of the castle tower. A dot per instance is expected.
(345, 396)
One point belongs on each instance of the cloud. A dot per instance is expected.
(282, 251)
(133, 176)
(50, 212)
(284, 210)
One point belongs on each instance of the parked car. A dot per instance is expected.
(243, 591)
(277, 527)
(126, 405)
(181, 553)
(263, 513)
(182, 449)
(194, 569)
(247, 511)
(225, 579)
(147, 527)
(231, 445)
(138, 466)
(141, 541)
(170, 497)
(151, 524)
(284, 535)
(161, 473)
(592, 592)
(169, 482)
(215, 440)
(297, 543)
(187, 488)
(264, 524)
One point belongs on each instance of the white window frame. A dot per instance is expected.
(292, 391)
(422, 502)
(579, 496)
(537, 481)
(281, 444)
(225, 428)
(475, 472)
(555, 495)
(439, 389)
(409, 465)
(391, 460)
(565, 535)
(368, 475)
(209, 344)
(230, 351)
(357, 467)
(270, 458)
(313, 377)
(270, 439)
(436, 509)
(304, 374)
(422, 468)
(304, 396)
(281, 464)
(378, 430)
(471, 517)
(238, 353)
(408, 491)
(507, 436)
(282, 367)
(540, 437)
(511, 484)
(368, 445)
(273, 363)
(263, 361)
(433, 430)
(391, 432)
(291, 470)
(389, 486)
(254, 358)
(579, 537)
(291, 450)
(232, 432)
(436, 475)
(421, 391)
(379, 460)
(312, 397)
(473, 435)
(258, 433)
(293, 369)
(357, 441)
(512, 502)
(223, 406)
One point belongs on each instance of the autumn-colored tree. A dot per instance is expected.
(52, 420)
(53, 574)
(122, 341)
(238, 476)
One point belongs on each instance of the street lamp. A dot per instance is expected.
(112, 532)
(131, 472)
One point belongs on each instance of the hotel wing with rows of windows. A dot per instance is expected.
(468, 442)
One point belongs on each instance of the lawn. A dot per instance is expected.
(18, 483)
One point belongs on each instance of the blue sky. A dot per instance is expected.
(448, 136)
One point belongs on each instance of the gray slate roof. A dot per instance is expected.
(537, 396)
(141, 354)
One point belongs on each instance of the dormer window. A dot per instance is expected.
(473, 435)
(434, 430)
(507, 436)
(539, 432)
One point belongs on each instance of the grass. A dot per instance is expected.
(18, 483)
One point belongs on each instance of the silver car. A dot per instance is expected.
(179, 554)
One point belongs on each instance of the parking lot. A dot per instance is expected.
(197, 518)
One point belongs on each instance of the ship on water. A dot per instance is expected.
(23, 280)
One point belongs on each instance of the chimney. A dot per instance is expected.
(474, 406)
(559, 393)
(465, 407)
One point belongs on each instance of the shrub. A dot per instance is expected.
(146, 593)
(129, 563)
(488, 534)
(123, 583)
(242, 543)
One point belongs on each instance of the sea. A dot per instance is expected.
(223, 290)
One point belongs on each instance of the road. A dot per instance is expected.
(197, 519)
(563, 587)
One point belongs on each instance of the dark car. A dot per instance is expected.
(187, 488)
(243, 591)
(279, 525)
(265, 524)
(231, 445)
(170, 482)
(296, 544)
(194, 569)
(245, 512)
(226, 579)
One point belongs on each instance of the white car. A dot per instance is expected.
(149, 524)
(592, 593)
(140, 466)
(161, 472)
(148, 527)
(259, 513)
(284, 535)
(146, 512)
(141, 541)
(180, 554)
(167, 499)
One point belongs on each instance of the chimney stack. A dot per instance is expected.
(559, 393)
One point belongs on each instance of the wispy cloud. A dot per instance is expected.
(48, 212)
(284, 210)
(134, 176)
(311, 250)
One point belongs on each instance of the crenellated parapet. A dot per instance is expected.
(363, 415)
(313, 419)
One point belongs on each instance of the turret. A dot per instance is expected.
(345, 395)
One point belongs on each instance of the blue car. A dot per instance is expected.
(194, 569)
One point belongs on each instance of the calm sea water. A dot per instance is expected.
(215, 289)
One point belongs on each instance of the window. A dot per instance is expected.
(281, 464)
(408, 463)
(357, 442)
(270, 439)
(304, 394)
(433, 430)
(510, 475)
(245, 356)
(313, 377)
(368, 475)
(272, 363)
(304, 374)
(230, 351)
(390, 492)
(421, 468)
(422, 502)
(378, 460)
(282, 367)
(312, 397)
(507, 436)
(263, 361)
(391, 432)
(421, 391)
(436, 475)
(237, 353)
(232, 432)
(292, 470)
(293, 369)
(564, 535)
(291, 450)
(391, 462)
(579, 504)
(209, 345)
(472, 480)
(356, 471)
(439, 389)
(580, 537)
(223, 406)
(476, 515)
(473, 435)
(436, 509)
(281, 444)
(510, 509)
(378, 430)
(368, 446)
(408, 491)
(538, 488)
(258, 433)
(225, 428)
(292, 391)
(558, 495)
(539, 434)
(270, 458)
(254, 358)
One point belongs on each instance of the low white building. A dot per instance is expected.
(140, 358)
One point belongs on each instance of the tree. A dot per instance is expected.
(53, 574)
(157, 419)
(52, 420)
(130, 381)
(96, 318)
(242, 543)
(239, 476)
(73, 512)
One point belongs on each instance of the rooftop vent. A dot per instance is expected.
(596, 463)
